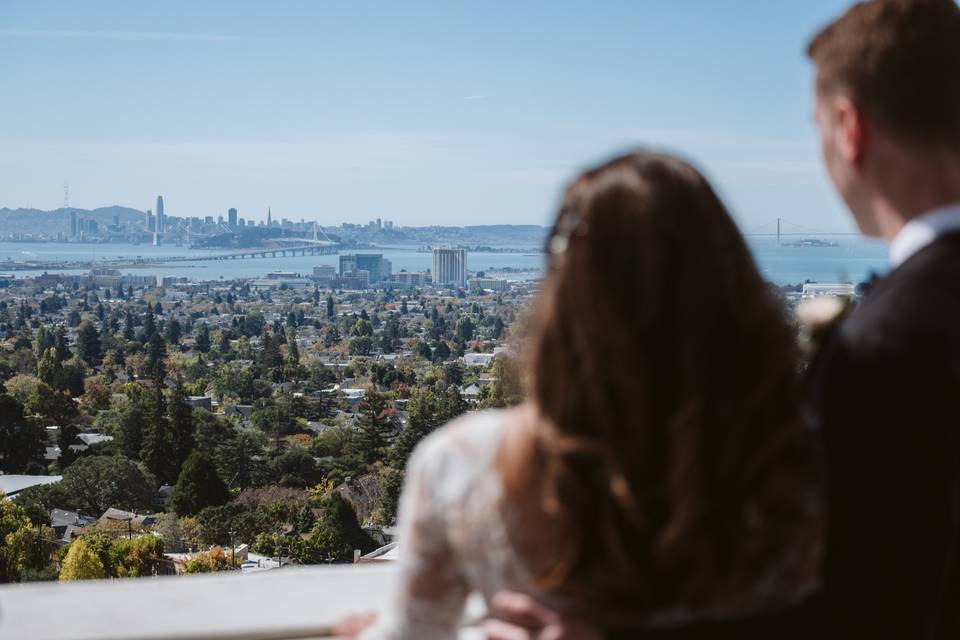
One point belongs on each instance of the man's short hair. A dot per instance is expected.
(899, 61)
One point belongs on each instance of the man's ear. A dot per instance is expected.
(850, 130)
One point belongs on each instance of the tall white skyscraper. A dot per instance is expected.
(450, 267)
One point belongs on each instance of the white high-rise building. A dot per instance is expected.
(450, 267)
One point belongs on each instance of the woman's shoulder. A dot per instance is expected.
(463, 449)
(473, 434)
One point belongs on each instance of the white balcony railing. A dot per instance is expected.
(286, 604)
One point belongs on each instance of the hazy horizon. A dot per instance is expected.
(425, 115)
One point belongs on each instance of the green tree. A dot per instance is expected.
(391, 485)
(81, 563)
(240, 460)
(295, 468)
(464, 329)
(330, 310)
(149, 325)
(96, 394)
(182, 428)
(21, 440)
(199, 486)
(72, 376)
(361, 346)
(336, 534)
(17, 540)
(507, 389)
(93, 484)
(128, 332)
(134, 557)
(372, 427)
(294, 350)
(428, 409)
(173, 331)
(202, 340)
(49, 369)
(88, 343)
(159, 449)
(211, 431)
(133, 417)
(156, 352)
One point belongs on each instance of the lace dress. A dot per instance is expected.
(452, 537)
(453, 542)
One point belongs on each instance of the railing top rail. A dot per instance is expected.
(286, 604)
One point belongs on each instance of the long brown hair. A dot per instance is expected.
(666, 464)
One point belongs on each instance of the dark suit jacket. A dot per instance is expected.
(886, 391)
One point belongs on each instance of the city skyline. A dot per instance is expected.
(430, 115)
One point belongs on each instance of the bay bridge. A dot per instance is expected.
(785, 228)
(286, 247)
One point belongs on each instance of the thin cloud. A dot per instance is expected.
(714, 139)
(71, 34)
(479, 96)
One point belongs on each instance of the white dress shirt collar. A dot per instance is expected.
(922, 231)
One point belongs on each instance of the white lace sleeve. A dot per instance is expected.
(429, 597)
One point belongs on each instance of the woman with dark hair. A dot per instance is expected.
(659, 476)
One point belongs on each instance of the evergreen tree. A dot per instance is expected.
(68, 436)
(88, 343)
(240, 459)
(132, 420)
(330, 311)
(158, 451)
(371, 439)
(128, 332)
(45, 340)
(63, 349)
(149, 325)
(156, 352)
(203, 338)
(182, 428)
(21, 441)
(173, 331)
(270, 357)
(294, 349)
(198, 486)
(223, 342)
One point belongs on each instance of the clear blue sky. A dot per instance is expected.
(424, 113)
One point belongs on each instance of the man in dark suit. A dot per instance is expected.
(885, 392)
(886, 389)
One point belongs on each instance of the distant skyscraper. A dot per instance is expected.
(149, 224)
(450, 267)
(269, 217)
(348, 263)
(161, 217)
(232, 219)
(73, 224)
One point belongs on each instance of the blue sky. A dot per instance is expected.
(423, 113)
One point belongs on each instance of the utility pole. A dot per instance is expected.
(129, 528)
(233, 553)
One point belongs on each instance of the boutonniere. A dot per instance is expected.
(818, 318)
